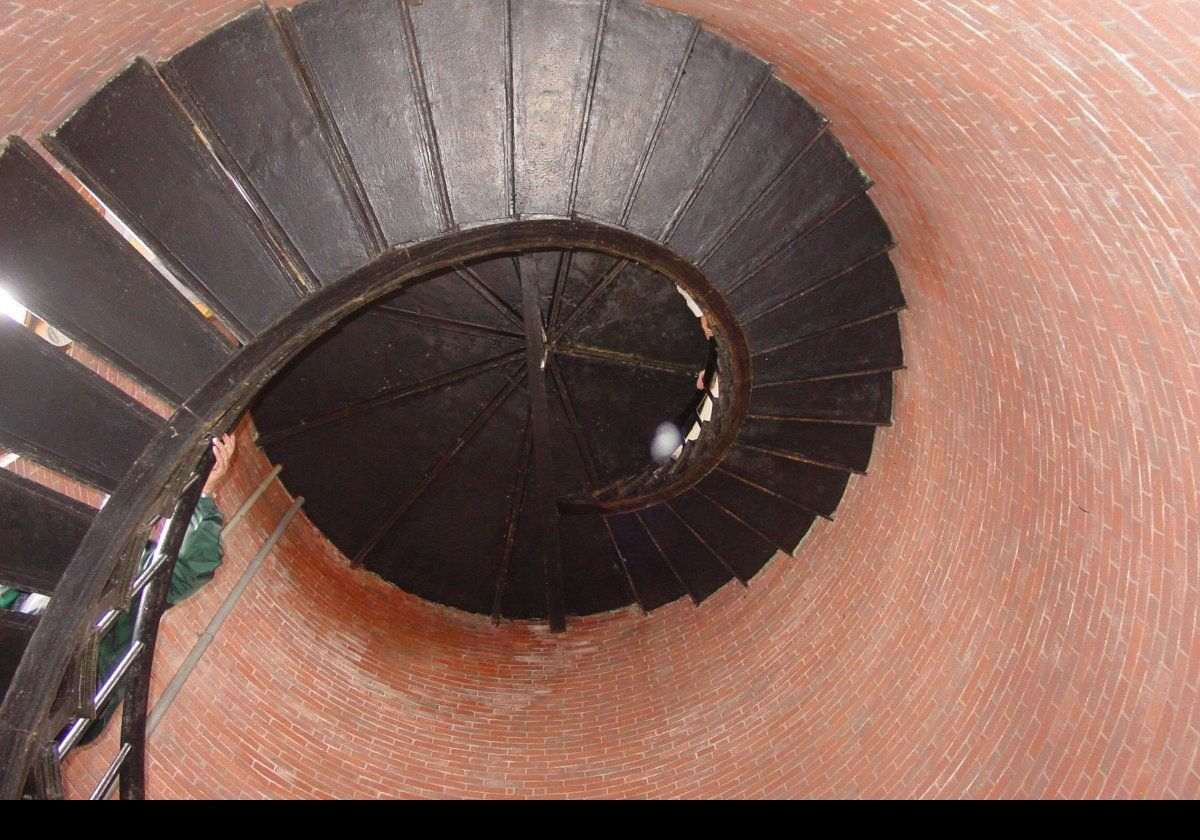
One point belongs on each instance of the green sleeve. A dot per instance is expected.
(9, 596)
(113, 645)
(200, 555)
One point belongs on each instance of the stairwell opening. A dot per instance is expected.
(426, 399)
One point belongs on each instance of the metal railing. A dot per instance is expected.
(146, 597)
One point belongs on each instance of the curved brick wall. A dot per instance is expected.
(1007, 605)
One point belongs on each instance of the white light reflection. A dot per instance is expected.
(10, 307)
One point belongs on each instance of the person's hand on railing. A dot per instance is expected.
(223, 449)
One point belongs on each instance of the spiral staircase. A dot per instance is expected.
(467, 259)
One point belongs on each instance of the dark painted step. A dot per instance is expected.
(848, 399)
(69, 267)
(521, 592)
(453, 299)
(620, 406)
(39, 532)
(386, 355)
(772, 516)
(250, 93)
(573, 470)
(548, 269)
(15, 632)
(641, 62)
(356, 54)
(58, 412)
(823, 180)
(842, 445)
(702, 570)
(871, 346)
(853, 234)
(586, 270)
(498, 279)
(518, 497)
(743, 549)
(463, 48)
(355, 473)
(431, 550)
(718, 84)
(862, 293)
(654, 580)
(747, 167)
(641, 315)
(133, 146)
(815, 488)
(593, 578)
(554, 43)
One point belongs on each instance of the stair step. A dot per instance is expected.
(718, 84)
(748, 167)
(132, 145)
(867, 347)
(499, 276)
(593, 579)
(385, 354)
(554, 43)
(586, 270)
(39, 532)
(350, 493)
(620, 406)
(822, 180)
(642, 55)
(523, 595)
(464, 51)
(68, 266)
(431, 550)
(572, 460)
(651, 574)
(450, 299)
(862, 293)
(848, 237)
(58, 412)
(863, 399)
(639, 310)
(249, 91)
(778, 520)
(702, 570)
(839, 445)
(815, 488)
(356, 54)
(743, 549)
(544, 267)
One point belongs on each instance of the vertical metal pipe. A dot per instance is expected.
(210, 632)
(236, 519)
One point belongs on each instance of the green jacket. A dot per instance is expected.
(199, 557)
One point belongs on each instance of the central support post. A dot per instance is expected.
(542, 495)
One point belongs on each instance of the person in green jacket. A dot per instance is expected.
(199, 558)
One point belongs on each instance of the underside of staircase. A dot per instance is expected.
(546, 308)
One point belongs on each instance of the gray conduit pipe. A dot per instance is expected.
(214, 626)
(252, 498)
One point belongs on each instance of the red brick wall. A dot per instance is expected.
(1006, 606)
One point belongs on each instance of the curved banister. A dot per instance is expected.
(165, 465)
